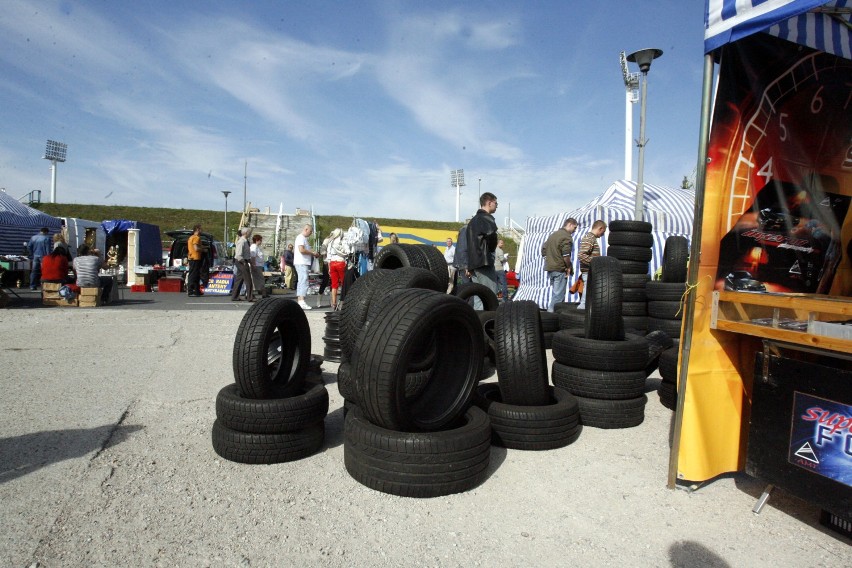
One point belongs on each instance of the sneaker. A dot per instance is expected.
(304, 306)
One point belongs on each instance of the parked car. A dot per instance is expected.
(775, 219)
(216, 252)
(743, 281)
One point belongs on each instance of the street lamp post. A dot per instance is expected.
(643, 59)
(225, 238)
(457, 181)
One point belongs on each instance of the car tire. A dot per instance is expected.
(675, 259)
(521, 357)
(484, 293)
(630, 238)
(570, 347)
(627, 225)
(637, 254)
(603, 301)
(591, 383)
(611, 414)
(271, 416)
(244, 447)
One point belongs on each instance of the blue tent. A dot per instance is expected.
(150, 245)
(18, 223)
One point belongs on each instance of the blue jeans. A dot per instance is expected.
(302, 283)
(502, 285)
(559, 282)
(35, 273)
(487, 276)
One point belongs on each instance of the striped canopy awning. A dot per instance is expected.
(668, 209)
(18, 223)
(815, 23)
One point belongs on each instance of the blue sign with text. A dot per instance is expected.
(821, 437)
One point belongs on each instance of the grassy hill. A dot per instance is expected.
(213, 221)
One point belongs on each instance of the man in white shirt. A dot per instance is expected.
(303, 256)
(257, 263)
(450, 256)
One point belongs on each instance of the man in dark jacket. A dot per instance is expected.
(481, 241)
(556, 251)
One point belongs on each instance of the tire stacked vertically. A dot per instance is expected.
(666, 296)
(331, 338)
(668, 371)
(526, 412)
(631, 242)
(270, 414)
(415, 360)
(600, 364)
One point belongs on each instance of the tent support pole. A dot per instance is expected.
(694, 262)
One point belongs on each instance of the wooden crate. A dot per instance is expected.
(88, 298)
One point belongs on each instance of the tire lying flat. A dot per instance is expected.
(273, 415)
(244, 447)
(606, 385)
(570, 347)
(612, 414)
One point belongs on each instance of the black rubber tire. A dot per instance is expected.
(561, 307)
(668, 365)
(484, 293)
(395, 256)
(675, 259)
(603, 300)
(381, 358)
(346, 382)
(610, 414)
(633, 294)
(599, 384)
(665, 310)
(667, 392)
(436, 262)
(657, 291)
(658, 341)
(244, 447)
(622, 252)
(630, 238)
(487, 321)
(272, 349)
(571, 348)
(548, 339)
(635, 280)
(549, 321)
(671, 327)
(425, 464)
(633, 266)
(274, 415)
(356, 305)
(637, 325)
(621, 226)
(573, 320)
(521, 357)
(634, 309)
(535, 428)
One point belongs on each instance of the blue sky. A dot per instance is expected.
(352, 108)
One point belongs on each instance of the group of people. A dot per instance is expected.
(52, 262)
(557, 251)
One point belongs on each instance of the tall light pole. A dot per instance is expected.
(225, 238)
(55, 152)
(457, 181)
(643, 59)
(631, 84)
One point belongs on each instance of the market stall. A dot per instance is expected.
(764, 382)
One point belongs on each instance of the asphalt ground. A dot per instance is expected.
(106, 460)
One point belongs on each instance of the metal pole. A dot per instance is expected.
(53, 181)
(694, 265)
(628, 137)
(245, 186)
(458, 198)
(640, 188)
(225, 236)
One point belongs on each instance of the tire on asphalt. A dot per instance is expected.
(521, 357)
(272, 349)
(484, 293)
(611, 414)
(422, 464)
(543, 427)
(667, 392)
(570, 347)
(272, 415)
(604, 385)
(603, 301)
(244, 447)
(380, 360)
(668, 365)
(620, 226)
(675, 259)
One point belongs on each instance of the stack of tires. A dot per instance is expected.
(271, 414)
(631, 243)
(331, 338)
(526, 412)
(665, 296)
(411, 430)
(604, 368)
(426, 257)
(668, 371)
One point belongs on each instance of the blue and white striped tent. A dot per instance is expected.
(18, 223)
(669, 210)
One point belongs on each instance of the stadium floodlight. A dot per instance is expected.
(643, 59)
(55, 152)
(457, 181)
(225, 238)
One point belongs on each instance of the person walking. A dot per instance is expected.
(481, 235)
(256, 252)
(556, 251)
(242, 267)
(500, 268)
(336, 251)
(303, 257)
(589, 248)
(195, 252)
(449, 256)
(287, 266)
(39, 247)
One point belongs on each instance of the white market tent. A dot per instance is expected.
(18, 223)
(669, 210)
